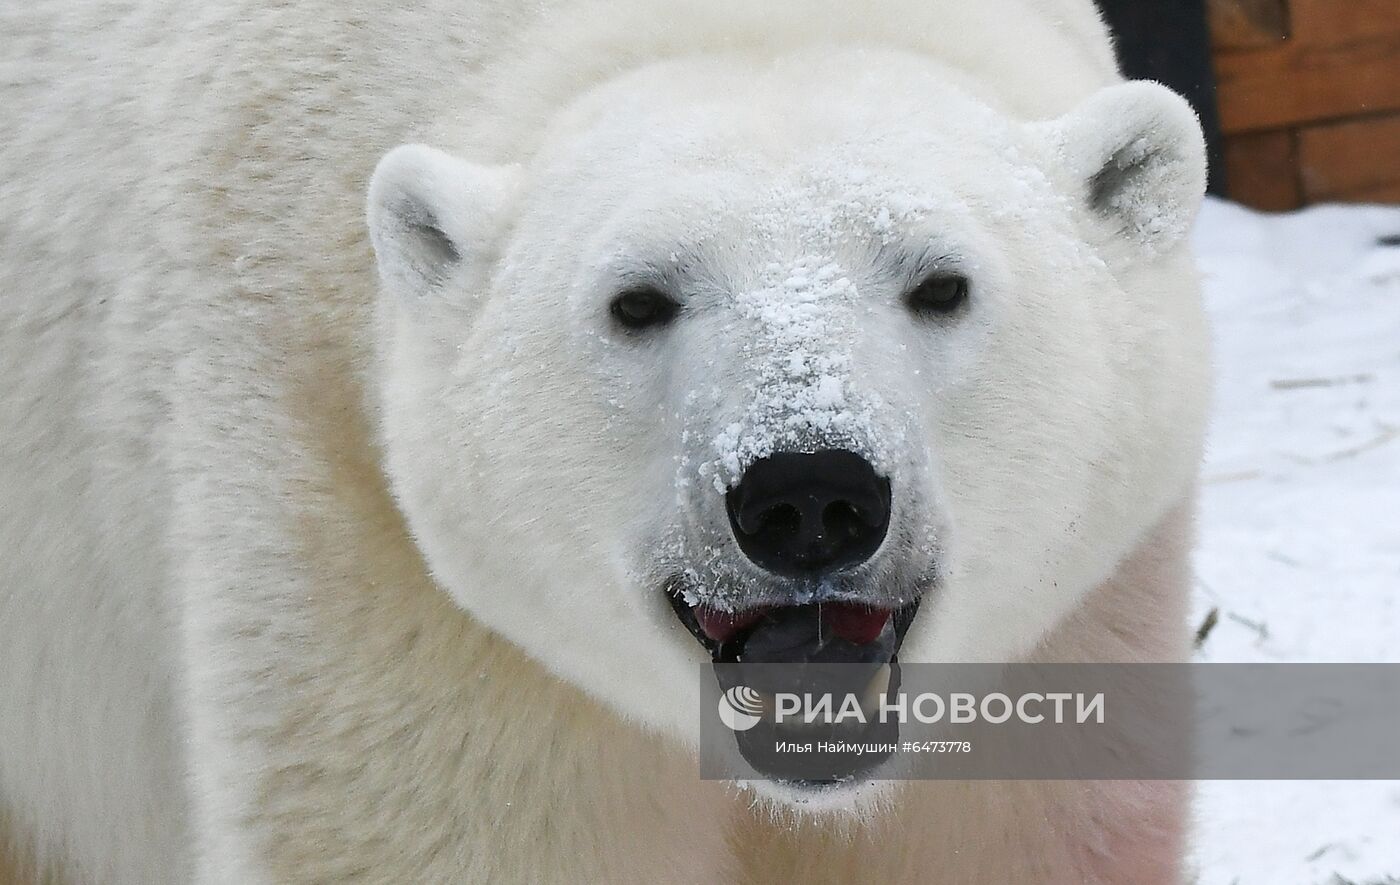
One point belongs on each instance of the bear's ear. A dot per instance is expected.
(432, 215)
(1137, 151)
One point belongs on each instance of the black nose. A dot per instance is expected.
(797, 514)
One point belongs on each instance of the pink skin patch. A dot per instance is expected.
(720, 626)
(856, 624)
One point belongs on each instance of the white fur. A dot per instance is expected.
(317, 574)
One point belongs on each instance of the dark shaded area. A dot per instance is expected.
(801, 515)
(1169, 41)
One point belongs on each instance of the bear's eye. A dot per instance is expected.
(939, 295)
(638, 309)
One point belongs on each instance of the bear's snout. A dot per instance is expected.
(800, 515)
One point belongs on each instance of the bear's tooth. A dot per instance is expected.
(875, 690)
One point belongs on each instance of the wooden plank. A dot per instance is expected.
(1350, 161)
(1262, 170)
(1388, 194)
(1246, 24)
(1283, 86)
(1342, 22)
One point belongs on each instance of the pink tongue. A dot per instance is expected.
(719, 625)
(855, 623)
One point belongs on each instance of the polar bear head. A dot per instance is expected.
(825, 355)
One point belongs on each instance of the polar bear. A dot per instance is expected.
(386, 545)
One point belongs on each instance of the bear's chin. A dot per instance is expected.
(857, 800)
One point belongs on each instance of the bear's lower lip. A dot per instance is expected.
(832, 632)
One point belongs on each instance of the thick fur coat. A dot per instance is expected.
(258, 625)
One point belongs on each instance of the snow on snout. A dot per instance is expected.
(799, 360)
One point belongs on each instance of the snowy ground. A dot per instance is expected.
(1300, 529)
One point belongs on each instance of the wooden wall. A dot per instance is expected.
(1309, 99)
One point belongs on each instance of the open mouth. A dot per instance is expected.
(825, 633)
(822, 628)
(841, 648)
